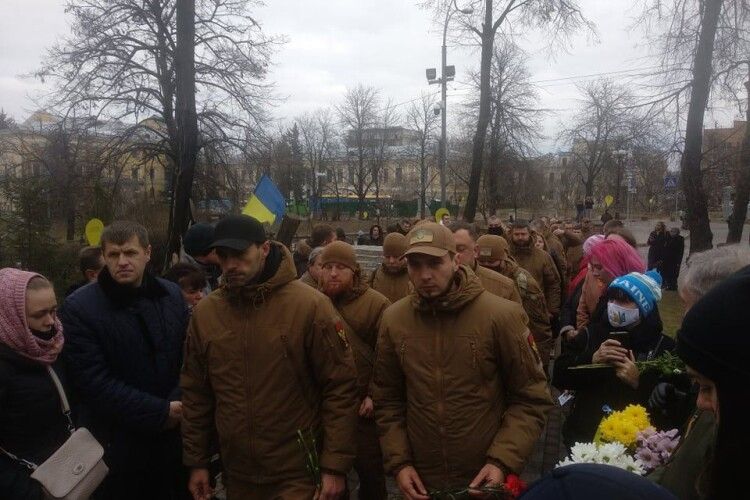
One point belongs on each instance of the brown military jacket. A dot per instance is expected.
(535, 306)
(259, 367)
(557, 252)
(457, 384)
(394, 286)
(361, 310)
(496, 283)
(307, 279)
(542, 268)
(573, 250)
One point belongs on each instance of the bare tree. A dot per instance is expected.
(557, 18)
(515, 119)
(606, 122)
(120, 63)
(318, 146)
(421, 117)
(358, 114)
(382, 152)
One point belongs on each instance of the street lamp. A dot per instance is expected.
(447, 73)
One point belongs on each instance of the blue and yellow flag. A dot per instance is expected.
(266, 203)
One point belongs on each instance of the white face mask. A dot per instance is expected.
(622, 316)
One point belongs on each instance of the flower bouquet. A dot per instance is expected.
(655, 447)
(626, 439)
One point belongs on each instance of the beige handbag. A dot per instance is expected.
(77, 468)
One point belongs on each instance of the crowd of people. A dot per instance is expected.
(280, 372)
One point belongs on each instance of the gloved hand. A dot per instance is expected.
(665, 396)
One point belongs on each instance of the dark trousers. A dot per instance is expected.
(369, 462)
(291, 489)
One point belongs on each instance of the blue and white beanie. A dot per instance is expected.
(643, 289)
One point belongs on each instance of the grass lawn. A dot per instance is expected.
(671, 311)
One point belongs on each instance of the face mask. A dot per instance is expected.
(621, 316)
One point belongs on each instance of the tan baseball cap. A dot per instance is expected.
(430, 238)
(492, 247)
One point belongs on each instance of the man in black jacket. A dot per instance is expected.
(123, 345)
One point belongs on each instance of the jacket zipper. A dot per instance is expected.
(402, 351)
(250, 422)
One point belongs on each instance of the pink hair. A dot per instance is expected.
(618, 258)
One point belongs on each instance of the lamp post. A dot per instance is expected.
(447, 73)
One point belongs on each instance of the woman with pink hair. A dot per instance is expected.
(608, 259)
(32, 424)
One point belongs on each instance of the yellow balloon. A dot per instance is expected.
(608, 200)
(440, 213)
(94, 229)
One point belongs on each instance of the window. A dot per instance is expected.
(565, 161)
(384, 174)
(399, 175)
(351, 175)
(135, 174)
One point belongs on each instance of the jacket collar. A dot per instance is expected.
(125, 295)
(468, 287)
(278, 271)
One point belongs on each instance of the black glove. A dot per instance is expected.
(665, 396)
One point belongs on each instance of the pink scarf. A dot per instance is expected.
(14, 331)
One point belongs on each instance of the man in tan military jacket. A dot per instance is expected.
(538, 262)
(361, 308)
(493, 254)
(460, 396)
(465, 236)
(265, 357)
(390, 277)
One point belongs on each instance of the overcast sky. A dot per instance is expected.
(333, 44)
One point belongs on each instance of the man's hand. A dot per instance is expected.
(611, 351)
(627, 371)
(489, 476)
(175, 415)
(332, 487)
(410, 485)
(199, 484)
(366, 408)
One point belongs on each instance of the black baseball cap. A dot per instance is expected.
(238, 232)
(198, 239)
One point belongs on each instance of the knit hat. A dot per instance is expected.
(583, 481)
(643, 289)
(492, 247)
(590, 242)
(339, 252)
(394, 245)
(430, 238)
(14, 331)
(198, 238)
(713, 338)
(314, 253)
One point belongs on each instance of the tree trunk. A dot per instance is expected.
(488, 40)
(742, 193)
(422, 184)
(692, 182)
(187, 123)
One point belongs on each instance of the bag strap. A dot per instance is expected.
(25, 463)
(63, 398)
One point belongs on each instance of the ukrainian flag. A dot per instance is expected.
(266, 203)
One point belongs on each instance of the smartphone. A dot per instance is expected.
(622, 337)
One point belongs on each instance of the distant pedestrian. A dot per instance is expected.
(191, 280)
(606, 216)
(657, 243)
(375, 237)
(390, 278)
(673, 253)
(588, 207)
(341, 235)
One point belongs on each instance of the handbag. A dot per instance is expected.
(77, 468)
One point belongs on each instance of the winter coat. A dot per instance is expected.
(361, 310)
(308, 280)
(542, 268)
(657, 243)
(395, 286)
(557, 252)
(532, 300)
(686, 474)
(32, 425)
(261, 364)
(497, 284)
(123, 349)
(457, 385)
(594, 389)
